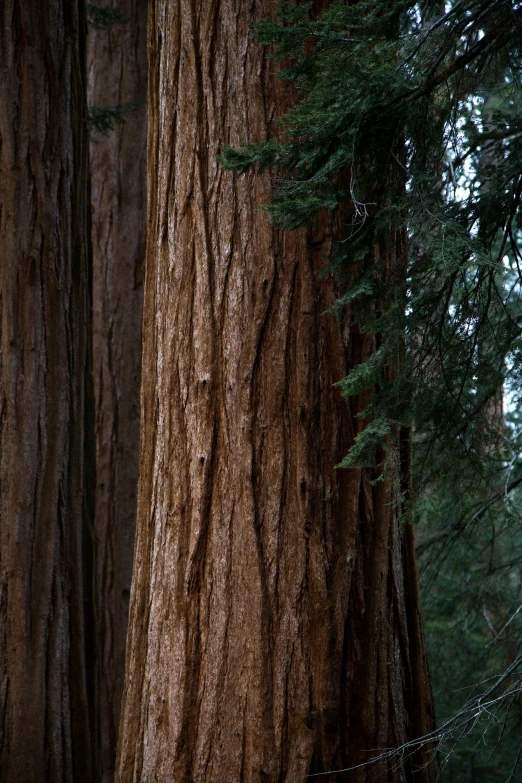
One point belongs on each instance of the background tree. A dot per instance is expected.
(47, 641)
(117, 66)
(274, 623)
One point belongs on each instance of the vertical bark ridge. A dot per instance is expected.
(117, 70)
(47, 719)
(265, 640)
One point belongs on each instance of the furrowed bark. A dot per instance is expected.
(117, 67)
(272, 634)
(47, 704)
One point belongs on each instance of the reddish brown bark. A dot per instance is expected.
(117, 67)
(46, 440)
(274, 623)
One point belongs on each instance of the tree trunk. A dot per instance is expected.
(47, 701)
(117, 67)
(274, 622)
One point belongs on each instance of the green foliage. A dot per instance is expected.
(367, 443)
(103, 119)
(473, 623)
(262, 156)
(102, 18)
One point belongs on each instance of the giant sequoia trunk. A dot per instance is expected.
(117, 66)
(274, 623)
(46, 451)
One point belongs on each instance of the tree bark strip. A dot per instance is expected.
(47, 705)
(269, 632)
(117, 67)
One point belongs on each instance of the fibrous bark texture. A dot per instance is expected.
(117, 67)
(274, 622)
(46, 406)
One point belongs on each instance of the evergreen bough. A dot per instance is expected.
(104, 119)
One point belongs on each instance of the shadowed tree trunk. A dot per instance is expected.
(117, 67)
(274, 623)
(47, 700)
